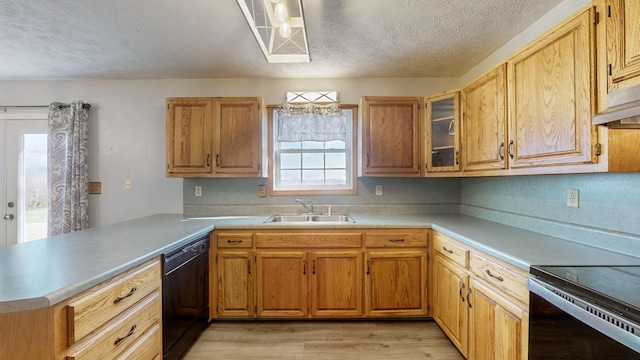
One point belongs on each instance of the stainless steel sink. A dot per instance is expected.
(310, 218)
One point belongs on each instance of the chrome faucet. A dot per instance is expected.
(308, 205)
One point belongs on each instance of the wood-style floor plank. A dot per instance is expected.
(315, 340)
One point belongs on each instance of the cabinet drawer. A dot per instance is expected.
(103, 302)
(451, 249)
(235, 240)
(148, 346)
(121, 333)
(503, 277)
(396, 238)
(308, 239)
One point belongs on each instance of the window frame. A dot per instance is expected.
(354, 158)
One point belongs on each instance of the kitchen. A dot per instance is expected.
(129, 117)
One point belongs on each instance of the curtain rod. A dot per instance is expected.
(5, 107)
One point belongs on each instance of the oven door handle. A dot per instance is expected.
(550, 293)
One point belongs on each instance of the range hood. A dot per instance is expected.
(623, 109)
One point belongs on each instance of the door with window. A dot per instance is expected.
(23, 181)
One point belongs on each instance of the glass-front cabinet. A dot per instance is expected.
(442, 132)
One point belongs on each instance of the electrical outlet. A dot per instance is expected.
(378, 190)
(128, 185)
(262, 190)
(198, 190)
(573, 198)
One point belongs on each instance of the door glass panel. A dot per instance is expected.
(33, 179)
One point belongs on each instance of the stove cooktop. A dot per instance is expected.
(613, 287)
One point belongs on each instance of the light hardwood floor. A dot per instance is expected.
(311, 340)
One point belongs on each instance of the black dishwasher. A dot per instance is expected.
(185, 310)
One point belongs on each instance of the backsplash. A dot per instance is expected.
(608, 215)
(399, 196)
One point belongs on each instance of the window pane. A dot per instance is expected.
(336, 177)
(290, 177)
(335, 144)
(290, 161)
(336, 160)
(313, 161)
(313, 144)
(35, 187)
(290, 145)
(313, 177)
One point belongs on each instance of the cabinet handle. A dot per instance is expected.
(304, 267)
(460, 292)
(368, 266)
(447, 250)
(510, 149)
(501, 151)
(234, 241)
(396, 240)
(133, 329)
(208, 160)
(469, 301)
(367, 160)
(457, 153)
(499, 278)
(249, 266)
(217, 160)
(120, 298)
(313, 267)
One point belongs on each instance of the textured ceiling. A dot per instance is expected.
(154, 39)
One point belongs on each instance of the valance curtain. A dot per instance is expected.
(311, 122)
(67, 168)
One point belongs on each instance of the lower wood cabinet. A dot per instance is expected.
(320, 273)
(119, 318)
(481, 303)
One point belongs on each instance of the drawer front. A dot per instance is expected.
(103, 302)
(396, 238)
(235, 240)
(122, 333)
(451, 249)
(308, 240)
(149, 346)
(502, 276)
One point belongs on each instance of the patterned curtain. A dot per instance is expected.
(311, 122)
(68, 177)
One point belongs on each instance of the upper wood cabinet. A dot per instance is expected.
(219, 137)
(391, 136)
(442, 132)
(618, 47)
(484, 121)
(550, 97)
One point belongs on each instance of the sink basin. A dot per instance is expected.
(310, 218)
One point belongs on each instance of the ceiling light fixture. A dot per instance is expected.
(278, 26)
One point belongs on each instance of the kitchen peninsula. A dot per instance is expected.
(37, 276)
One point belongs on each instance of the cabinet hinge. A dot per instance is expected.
(258, 106)
(608, 10)
(255, 308)
(167, 106)
(598, 149)
(217, 309)
(596, 18)
(610, 70)
(216, 259)
(167, 166)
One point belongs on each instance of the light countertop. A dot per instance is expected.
(44, 272)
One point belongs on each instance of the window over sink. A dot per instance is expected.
(312, 154)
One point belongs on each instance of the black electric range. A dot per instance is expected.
(584, 312)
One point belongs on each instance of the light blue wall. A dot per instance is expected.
(608, 216)
(400, 195)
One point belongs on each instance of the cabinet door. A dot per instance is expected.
(391, 136)
(450, 304)
(282, 284)
(623, 43)
(442, 132)
(336, 283)
(484, 121)
(550, 98)
(189, 137)
(396, 283)
(497, 327)
(238, 137)
(235, 284)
